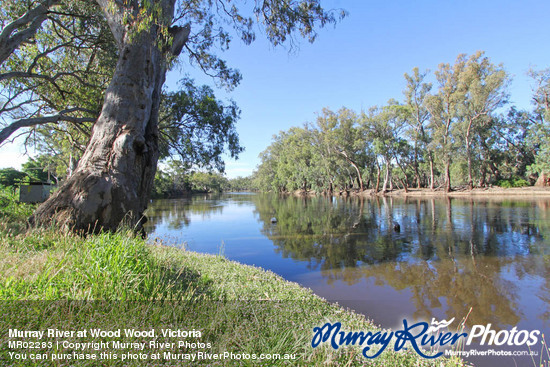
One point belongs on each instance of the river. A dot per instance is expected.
(488, 259)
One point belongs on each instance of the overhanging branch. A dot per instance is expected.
(32, 19)
(34, 121)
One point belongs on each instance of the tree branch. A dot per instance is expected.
(28, 122)
(114, 13)
(33, 18)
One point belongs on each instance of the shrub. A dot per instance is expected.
(512, 182)
(11, 210)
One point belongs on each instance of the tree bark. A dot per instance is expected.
(469, 161)
(448, 175)
(415, 166)
(482, 179)
(357, 170)
(113, 180)
(432, 178)
(377, 187)
(404, 181)
(387, 177)
(543, 179)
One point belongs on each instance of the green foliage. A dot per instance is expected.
(11, 176)
(541, 98)
(199, 128)
(73, 55)
(335, 154)
(39, 168)
(176, 179)
(68, 64)
(540, 132)
(171, 180)
(453, 134)
(241, 184)
(13, 214)
(289, 163)
(63, 72)
(417, 118)
(384, 127)
(208, 182)
(512, 182)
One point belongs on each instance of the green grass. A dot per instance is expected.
(13, 215)
(116, 281)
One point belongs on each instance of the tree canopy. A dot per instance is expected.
(458, 130)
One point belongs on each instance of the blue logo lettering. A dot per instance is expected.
(417, 335)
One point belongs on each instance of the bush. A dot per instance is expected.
(512, 182)
(11, 176)
(11, 210)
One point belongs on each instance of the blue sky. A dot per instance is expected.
(361, 62)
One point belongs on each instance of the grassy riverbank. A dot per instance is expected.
(116, 281)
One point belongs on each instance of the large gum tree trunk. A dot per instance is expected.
(113, 180)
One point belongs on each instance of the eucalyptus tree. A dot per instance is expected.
(113, 179)
(326, 161)
(201, 181)
(267, 175)
(11, 176)
(302, 158)
(21, 29)
(483, 87)
(342, 136)
(241, 183)
(194, 126)
(444, 110)
(541, 96)
(416, 93)
(297, 164)
(384, 127)
(506, 150)
(54, 79)
(540, 132)
(63, 71)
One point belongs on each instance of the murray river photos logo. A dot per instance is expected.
(420, 336)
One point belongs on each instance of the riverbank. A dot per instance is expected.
(492, 192)
(236, 307)
(489, 192)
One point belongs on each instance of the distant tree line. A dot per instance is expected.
(34, 170)
(460, 130)
(175, 179)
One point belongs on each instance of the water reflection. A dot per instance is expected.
(449, 255)
(176, 213)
